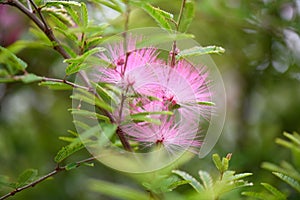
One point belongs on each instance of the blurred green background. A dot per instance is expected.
(260, 69)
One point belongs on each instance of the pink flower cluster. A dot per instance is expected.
(151, 88)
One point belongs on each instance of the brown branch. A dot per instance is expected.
(41, 179)
(41, 23)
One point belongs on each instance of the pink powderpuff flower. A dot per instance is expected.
(149, 85)
(179, 89)
(173, 137)
(183, 87)
(125, 63)
(196, 78)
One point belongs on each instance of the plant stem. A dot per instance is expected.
(74, 85)
(180, 14)
(41, 179)
(174, 48)
(120, 132)
(126, 24)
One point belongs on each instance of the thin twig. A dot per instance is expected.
(38, 10)
(180, 14)
(74, 85)
(41, 179)
(174, 48)
(119, 131)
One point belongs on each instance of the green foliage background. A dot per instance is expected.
(261, 73)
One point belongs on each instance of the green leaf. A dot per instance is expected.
(206, 103)
(98, 135)
(67, 34)
(67, 139)
(162, 17)
(3, 72)
(59, 19)
(229, 186)
(296, 135)
(73, 133)
(192, 181)
(84, 56)
(68, 150)
(41, 37)
(76, 64)
(272, 167)
(144, 118)
(92, 42)
(230, 181)
(117, 191)
(285, 143)
(162, 183)
(294, 138)
(289, 180)
(104, 94)
(91, 30)
(84, 14)
(206, 179)
(56, 85)
(163, 38)
(257, 195)
(115, 5)
(4, 181)
(88, 164)
(73, 13)
(274, 191)
(81, 125)
(75, 67)
(12, 62)
(218, 163)
(286, 168)
(64, 3)
(107, 130)
(87, 97)
(236, 177)
(89, 114)
(187, 15)
(26, 177)
(22, 44)
(152, 113)
(71, 166)
(292, 171)
(225, 164)
(29, 78)
(198, 51)
(178, 183)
